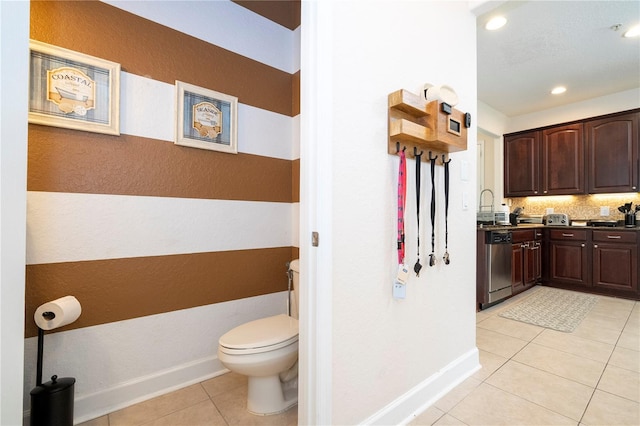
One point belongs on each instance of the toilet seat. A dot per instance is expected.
(263, 335)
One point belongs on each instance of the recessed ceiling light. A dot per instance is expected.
(495, 23)
(633, 32)
(558, 90)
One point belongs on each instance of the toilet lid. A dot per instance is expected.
(263, 332)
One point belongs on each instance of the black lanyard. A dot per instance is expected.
(417, 267)
(432, 256)
(446, 211)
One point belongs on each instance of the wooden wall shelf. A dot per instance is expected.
(416, 123)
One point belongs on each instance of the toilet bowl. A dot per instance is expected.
(266, 351)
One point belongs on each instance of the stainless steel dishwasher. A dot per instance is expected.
(498, 265)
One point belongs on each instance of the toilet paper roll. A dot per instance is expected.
(57, 313)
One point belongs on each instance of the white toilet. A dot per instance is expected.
(266, 350)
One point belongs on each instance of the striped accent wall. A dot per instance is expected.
(133, 225)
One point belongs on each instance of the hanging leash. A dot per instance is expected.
(417, 267)
(446, 211)
(432, 256)
(402, 195)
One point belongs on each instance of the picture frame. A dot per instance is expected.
(73, 90)
(206, 119)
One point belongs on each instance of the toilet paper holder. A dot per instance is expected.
(52, 402)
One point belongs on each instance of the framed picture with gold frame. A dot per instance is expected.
(206, 119)
(73, 90)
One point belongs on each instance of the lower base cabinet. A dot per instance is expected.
(568, 262)
(615, 261)
(526, 259)
(597, 261)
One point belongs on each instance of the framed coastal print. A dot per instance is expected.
(73, 90)
(206, 119)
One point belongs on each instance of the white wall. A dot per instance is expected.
(14, 66)
(390, 358)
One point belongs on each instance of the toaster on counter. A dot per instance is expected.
(556, 219)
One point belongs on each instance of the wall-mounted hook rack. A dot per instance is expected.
(418, 124)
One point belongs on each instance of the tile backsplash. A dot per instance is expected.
(578, 206)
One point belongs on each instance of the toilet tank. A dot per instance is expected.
(294, 267)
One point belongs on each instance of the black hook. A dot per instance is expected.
(431, 157)
(443, 159)
(415, 152)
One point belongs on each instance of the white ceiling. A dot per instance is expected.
(550, 43)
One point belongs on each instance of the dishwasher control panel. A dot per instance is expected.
(498, 237)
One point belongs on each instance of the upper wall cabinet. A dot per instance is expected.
(612, 145)
(598, 155)
(563, 160)
(521, 164)
(544, 162)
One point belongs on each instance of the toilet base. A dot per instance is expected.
(266, 396)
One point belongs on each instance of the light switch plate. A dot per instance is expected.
(604, 211)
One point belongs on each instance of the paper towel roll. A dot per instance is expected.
(57, 313)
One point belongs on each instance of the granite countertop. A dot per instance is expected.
(539, 225)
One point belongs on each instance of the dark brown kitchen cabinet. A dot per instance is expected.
(526, 259)
(594, 155)
(568, 263)
(615, 261)
(563, 160)
(612, 145)
(545, 162)
(517, 267)
(521, 164)
(603, 261)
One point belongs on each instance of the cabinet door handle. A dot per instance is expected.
(614, 237)
(595, 246)
(581, 245)
(567, 235)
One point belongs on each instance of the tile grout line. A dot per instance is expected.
(615, 345)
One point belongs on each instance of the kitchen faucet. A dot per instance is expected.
(480, 206)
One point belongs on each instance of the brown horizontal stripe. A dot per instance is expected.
(296, 94)
(63, 160)
(149, 49)
(295, 190)
(285, 13)
(120, 289)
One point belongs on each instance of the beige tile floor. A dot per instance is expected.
(529, 376)
(535, 376)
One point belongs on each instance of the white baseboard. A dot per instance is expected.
(87, 407)
(415, 401)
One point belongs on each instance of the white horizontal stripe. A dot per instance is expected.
(295, 225)
(119, 363)
(217, 22)
(148, 110)
(147, 107)
(64, 227)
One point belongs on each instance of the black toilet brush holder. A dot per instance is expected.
(51, 402)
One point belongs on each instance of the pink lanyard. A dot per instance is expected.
(402, 196)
